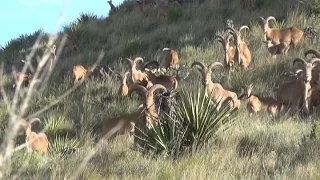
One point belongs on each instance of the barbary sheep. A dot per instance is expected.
(256, 103)
(220, 95)
(35, 141)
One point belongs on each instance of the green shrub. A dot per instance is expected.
(76, 30)
(86, 17)
(266, 3)
(57, 125)
(194, 121)
(315, 132)
(135, 45)
(59, 143)
(313, 6)
(175, 14)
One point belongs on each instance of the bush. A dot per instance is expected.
(266, 3)
(313, 6)
(135, 45)
(59, 143)
(315, 132)
(175, 14)
(58, 125)
(194, 121)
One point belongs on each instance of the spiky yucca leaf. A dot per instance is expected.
(193, 123)
(86, 17)
(200, 117)
(75, 30)
(59, 143)
(57, 125)
(166, 136)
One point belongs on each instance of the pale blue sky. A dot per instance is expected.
(26, 16)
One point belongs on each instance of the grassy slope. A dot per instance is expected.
(275, 147)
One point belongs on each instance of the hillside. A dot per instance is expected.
(256, 147)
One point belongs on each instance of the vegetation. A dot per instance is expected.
(192, 124)
(235, 147)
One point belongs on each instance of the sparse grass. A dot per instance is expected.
(253, 148)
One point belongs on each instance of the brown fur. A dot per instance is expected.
(171, 59)
(101, 72)
(151, 65)
(256, 103)
(137, 75)
(242, 52)
(276, 49)
(22, 80)
(297, 92)
(169, 82)
(151, 114)
(79, 72)
(35, 141)
(120, 125)
(229, 51)
(53, 56)
(315, 79)
(291, 35)
(315, 98)
(123, 90)
(220, 95)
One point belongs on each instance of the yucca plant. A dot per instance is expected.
(60, 143)
(200, 117)
(57, 125)
(75, 31)
(166, 136)
(86, 17)
(193, 123)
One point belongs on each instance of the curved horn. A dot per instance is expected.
(298, 71)
(234, 34)
(130, 61)
(261, 21)
(166, 49)
(315, 60)
(261, 18)
(243, 27)
(312, 51)
(299, 60)
(33, 120)
(137, 59)
(230, 28)
(270, 18)
(126, 74)
(229, 37)
(119, 75)
(197, 63)
(212, 65)
(155, 87)
(221, 40)
(138, 88)
(156, 63)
